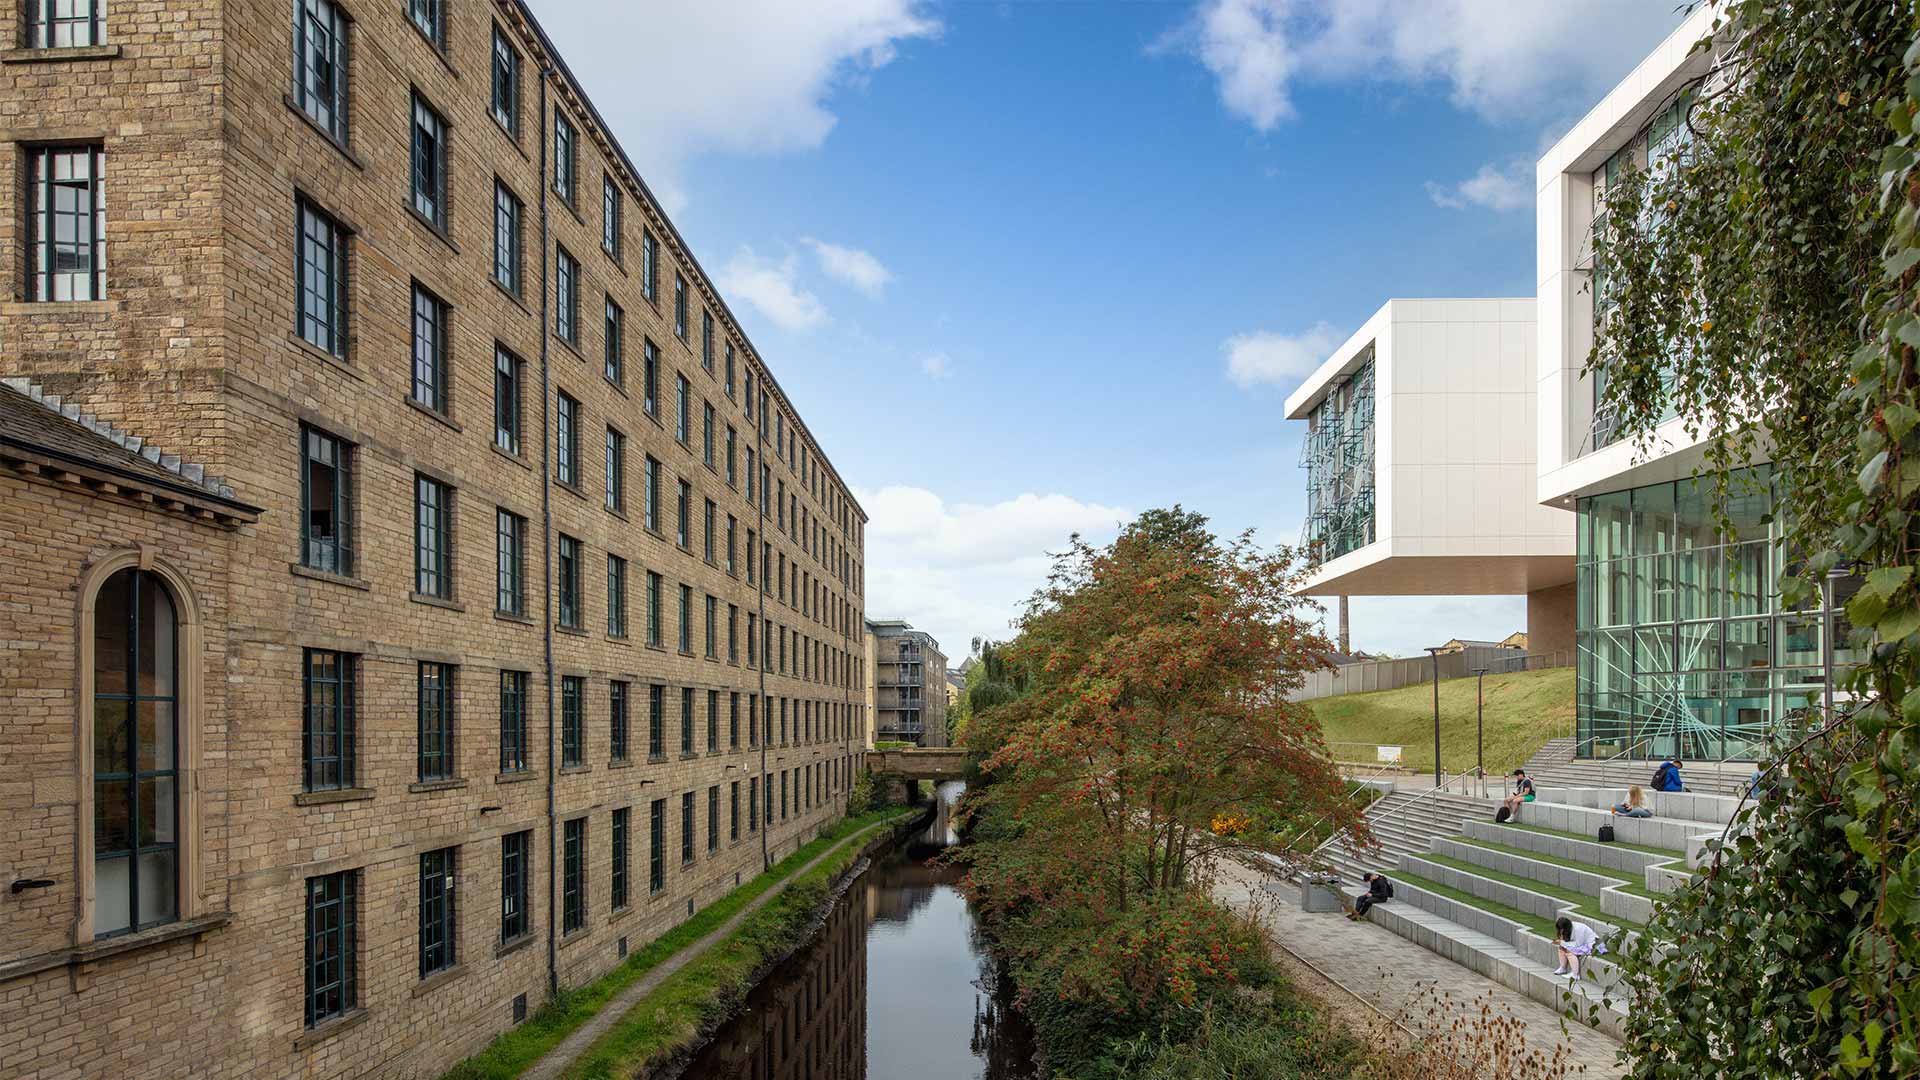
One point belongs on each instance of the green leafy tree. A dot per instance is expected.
(1760, 284)
(1131, 733)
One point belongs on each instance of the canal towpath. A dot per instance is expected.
(554, 1063)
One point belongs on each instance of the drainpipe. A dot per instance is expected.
(766, 636)
(546, 544)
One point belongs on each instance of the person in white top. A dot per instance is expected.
(1571, 941)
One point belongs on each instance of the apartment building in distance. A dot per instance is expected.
(402, 641)
(906, 684)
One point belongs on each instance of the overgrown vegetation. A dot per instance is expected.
(1138, 728)
(1762, 283)
(511, 1053)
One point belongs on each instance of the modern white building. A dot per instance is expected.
(1420, 463)
(1684, 645)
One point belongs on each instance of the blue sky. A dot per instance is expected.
(1033, 267)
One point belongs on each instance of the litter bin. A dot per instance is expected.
(1320, 892)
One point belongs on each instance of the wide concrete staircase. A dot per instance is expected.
(1555, 765)
(1486, 896)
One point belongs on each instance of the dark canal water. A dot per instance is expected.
(897, 986)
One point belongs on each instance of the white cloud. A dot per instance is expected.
(743, 77)
(1244, 44)
(770, 286)
(1497, 58)
(1493, 187)
(937, 365)
(959, 570)
(851, 266)
(1267, 357)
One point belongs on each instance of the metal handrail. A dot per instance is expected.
(1409, 804)
(1348, 797)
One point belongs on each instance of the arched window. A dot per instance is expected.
(136, 759)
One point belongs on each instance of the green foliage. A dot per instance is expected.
(1765, 941)
(1135, 735)
(513, 1051)
(1763, 288)
(860, 793)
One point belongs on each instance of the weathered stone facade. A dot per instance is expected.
(207, 153)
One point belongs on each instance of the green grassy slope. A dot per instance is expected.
(1524, 710)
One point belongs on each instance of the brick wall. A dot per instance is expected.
(195, 349)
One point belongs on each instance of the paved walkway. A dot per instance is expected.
(556, 1061)
(1388, 970)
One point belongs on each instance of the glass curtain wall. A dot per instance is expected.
(1685, 646)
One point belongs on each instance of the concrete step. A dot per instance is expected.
(1538, 904)
(1503, 951)
(1629, 861)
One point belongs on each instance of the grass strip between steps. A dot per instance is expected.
(509, 1054)
(1563, 834)
(1587, 905)
(1623, 883)
(1543, 927)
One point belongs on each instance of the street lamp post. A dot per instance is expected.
(1434, 651)
(1480, 728)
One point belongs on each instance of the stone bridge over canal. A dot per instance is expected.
(935, 763)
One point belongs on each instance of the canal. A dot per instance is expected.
(896, 984)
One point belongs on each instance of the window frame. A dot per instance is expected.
(329, 998)
(617, 874)
(573, 876)
(435, 580)
(429, 154)
(612, 202)
(573, 721)
(509, 249)
(431, 370)
(331, 322)
(510, 563)
(42, 216)
(566, 296)
(509, 398)
(566, 158)
(566, 438)
(616, 596)
(340, 509)
(516, 851)
(504, 68)
(568, 610)
(332, 719)
(436, 752)
(513, 721)
(439, 921)
(309, 15)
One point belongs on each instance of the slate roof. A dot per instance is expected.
(33, 420)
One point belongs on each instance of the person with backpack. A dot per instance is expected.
(1667, 776)
(1379, 891)
(1522, 795)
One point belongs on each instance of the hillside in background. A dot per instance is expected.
(1524, 710)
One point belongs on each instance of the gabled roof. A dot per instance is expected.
(38, 426)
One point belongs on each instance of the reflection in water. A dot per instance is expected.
(897, 985)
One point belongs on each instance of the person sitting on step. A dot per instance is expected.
(1667, 776)
(1522, 794)
(1379, 891)
(1635, 806)
(1571, 941)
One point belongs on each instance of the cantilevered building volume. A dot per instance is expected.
(1420, 463)
(1459, 447)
